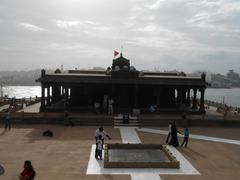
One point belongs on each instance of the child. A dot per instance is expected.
(28, 171)
(169, 132)
(99, 147)
(186, 136)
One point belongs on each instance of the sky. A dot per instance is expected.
(184, 35)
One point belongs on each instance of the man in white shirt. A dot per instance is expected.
(110, 106)
(102, 134)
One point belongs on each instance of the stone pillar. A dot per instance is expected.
(188, 98)
(51, 95)
(202, 108)
(43, 106)
(48, 95)
(66, 92)
(56, 93)
(112, 92)
(184, 101)
(194, 103)
(179, 97)
(158, 96)
(136, 96)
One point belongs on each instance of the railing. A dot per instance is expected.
(18, 104)
(222, 107)
(33, 115)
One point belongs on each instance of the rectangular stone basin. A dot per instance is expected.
(138, 156)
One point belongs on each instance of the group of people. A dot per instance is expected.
(173, 134)
(107, 105)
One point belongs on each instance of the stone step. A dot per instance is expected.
(125, 125)
(131, 123)
(121, 120)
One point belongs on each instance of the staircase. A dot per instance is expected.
(91, 120)
(131, 121)
(161, 120)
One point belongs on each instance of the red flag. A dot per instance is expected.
(115, 53)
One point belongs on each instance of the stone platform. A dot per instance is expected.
(67, 154)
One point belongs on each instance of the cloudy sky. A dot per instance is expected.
(186, 35)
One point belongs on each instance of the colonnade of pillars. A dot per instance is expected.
(184, 98)
(53, 94)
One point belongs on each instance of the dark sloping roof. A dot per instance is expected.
(97, 78)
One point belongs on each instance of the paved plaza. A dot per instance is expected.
(67, 155)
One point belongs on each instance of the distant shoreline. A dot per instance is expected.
(222, 87)
(6, 85)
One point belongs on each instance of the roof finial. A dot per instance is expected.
(121, 51)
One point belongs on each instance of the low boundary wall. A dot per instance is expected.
(106, 120)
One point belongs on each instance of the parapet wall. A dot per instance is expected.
(106, 120)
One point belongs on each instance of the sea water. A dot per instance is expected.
(231, 97)
(21, 91)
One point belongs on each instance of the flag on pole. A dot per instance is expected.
(115, 53)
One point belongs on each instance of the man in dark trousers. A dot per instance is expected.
(7, 120)
(100, 133)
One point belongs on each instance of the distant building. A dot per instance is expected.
(79, 90)
(232, 75)
(220, 81)
(234, 78)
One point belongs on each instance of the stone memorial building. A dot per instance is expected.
(130, 89)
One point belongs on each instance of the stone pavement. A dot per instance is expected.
(193, 136)
(66, 155)
(4, 107)
(31, 108)
(129, 135)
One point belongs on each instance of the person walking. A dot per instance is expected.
(28, 172)
(186, 137)
(174, 136)
(110, 106)
(105, 103)
(7, 120)
(169, 132)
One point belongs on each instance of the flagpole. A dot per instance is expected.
(114, 54)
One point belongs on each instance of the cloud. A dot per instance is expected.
(31, 27)
(67, 24)
(156, 4)
(103, 28)
(64, 46)
(90, 22)
(87, 25)
(148, 28)
(153, 32)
